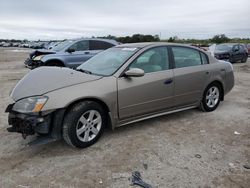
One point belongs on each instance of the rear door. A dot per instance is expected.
(190, 76)
(151, 92)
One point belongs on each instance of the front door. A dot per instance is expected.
(236, 53)
(80, 55)
(151, 92)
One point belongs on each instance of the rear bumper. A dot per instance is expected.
(29, 124)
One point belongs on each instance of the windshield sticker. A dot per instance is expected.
(129, 49)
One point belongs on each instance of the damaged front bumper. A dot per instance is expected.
(31, 64)
(29, 124)
(225, 57)
(49, 124)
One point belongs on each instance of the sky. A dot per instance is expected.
(61, 19)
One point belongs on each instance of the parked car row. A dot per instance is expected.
(34, 45)
(121, 85)
(70, 53)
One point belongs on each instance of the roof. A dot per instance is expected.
(136, 45)
(98, 39)
(146, 44)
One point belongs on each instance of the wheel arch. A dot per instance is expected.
(54, 60)
(97, 100)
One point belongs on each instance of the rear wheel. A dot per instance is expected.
(84, 124)
(211, 98)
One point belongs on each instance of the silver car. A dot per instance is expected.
(121, 85)
(69, 53)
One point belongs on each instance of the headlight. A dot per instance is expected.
(31, 104)
(38, 58)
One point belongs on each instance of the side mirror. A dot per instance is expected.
(135, 72)
(70, 50)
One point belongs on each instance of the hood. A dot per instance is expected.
(45, 79)
(41, 52)
(221, 51)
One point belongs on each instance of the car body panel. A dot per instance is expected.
(144, 91)
(189, 84)
(35, 83)
(103, 90)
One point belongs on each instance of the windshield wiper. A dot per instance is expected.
(84, 71)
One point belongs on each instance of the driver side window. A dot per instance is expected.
(80, 46)
(153, 60)
(235, 48)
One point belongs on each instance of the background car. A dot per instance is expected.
(231, 52)
(121, 85)
(70, 53)
(248, 48)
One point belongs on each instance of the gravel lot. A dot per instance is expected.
(163, 149)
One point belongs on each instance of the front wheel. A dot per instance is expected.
(211, 98)
(84, 124)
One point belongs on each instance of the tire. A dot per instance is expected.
(211, 97)
(87, 118)
(244, 59)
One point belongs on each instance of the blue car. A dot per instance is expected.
(69, 53)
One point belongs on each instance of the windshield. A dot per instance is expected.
(62, 45)
(223, 47)
(108, 62)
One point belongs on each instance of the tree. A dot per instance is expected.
(222, 38)
(171, 39)
(138, 38)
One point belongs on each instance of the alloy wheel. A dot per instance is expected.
(89, 125)
(212, 97)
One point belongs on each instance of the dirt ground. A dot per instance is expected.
(163, 149)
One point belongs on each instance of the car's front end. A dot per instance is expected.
(35, 58)
(26, 117)
(33, 62)
(222, 56)
(223, 52)
(31, 111)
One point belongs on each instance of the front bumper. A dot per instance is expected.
(29, 63)
(28, 124)
(49, 124)
(224, 57)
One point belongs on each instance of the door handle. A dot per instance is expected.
(87, 52)
(169, 81)
(223, 70)
(207, 72)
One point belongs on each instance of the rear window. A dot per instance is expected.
(186, 57)
(99, 45)
(204, 58)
